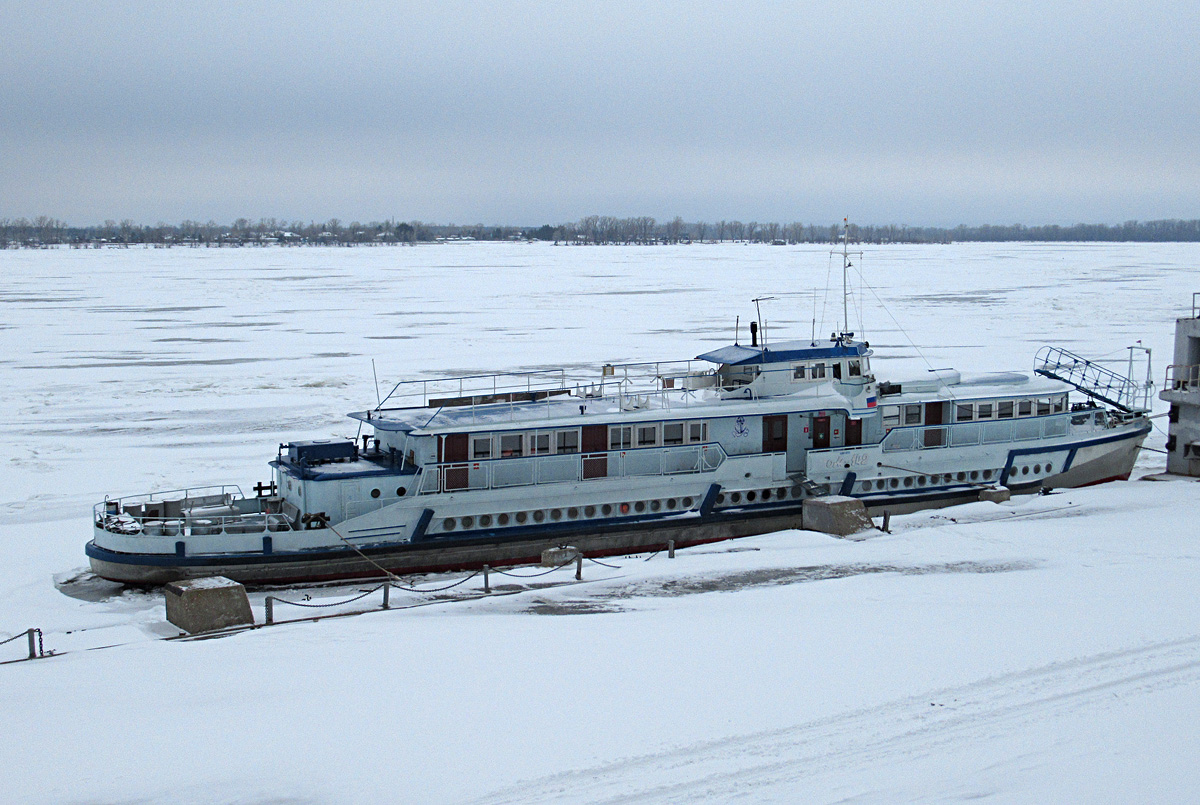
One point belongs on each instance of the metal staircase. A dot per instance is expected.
(1094, 380)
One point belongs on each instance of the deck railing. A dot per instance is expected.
(1182, 377)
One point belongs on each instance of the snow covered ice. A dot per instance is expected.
(1045, 649)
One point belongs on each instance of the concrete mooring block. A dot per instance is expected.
(835, 514)
(555, 557)
(204, 605)
(995, 494)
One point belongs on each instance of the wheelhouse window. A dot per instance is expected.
(511, 444)
(647, 435)
(854, 368)
(567, 441)
(818, 371)
(964, 412)
(1060, 404)
(912, 415)
(481, 447)
(539, 444)
(620, 438)
(673, 433)
(1004, 410)
(837, 370)
(798, 372)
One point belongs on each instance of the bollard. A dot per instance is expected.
(579, 567)
(887, 520)
(670, 549)
(270, 604)
(32, 645)
(387, 590)
(486, 587)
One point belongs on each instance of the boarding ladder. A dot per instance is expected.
(1094, 380)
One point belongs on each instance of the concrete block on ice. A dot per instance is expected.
(556, 557)
(203, 605)
(995, 494)
(835, 514)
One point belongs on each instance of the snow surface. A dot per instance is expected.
(1044, 649)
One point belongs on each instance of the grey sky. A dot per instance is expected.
(499, 112)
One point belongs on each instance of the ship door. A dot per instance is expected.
(453, 449)
(933, 416)
(820, 432)
(594, 444)
(774, 432)
(853, 432)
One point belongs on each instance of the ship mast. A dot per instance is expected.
(846, 334)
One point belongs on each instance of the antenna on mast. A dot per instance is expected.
(758, 310)
(845, 335)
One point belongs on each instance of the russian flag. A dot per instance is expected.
(870, 402)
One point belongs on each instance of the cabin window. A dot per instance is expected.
(818, 371)
(1060, 404)
(1025, 408)
(697, 432)
(1043, 406)
(510, 444)
(837, 370)
(539, 444)
(891, 416)
(647, 435)
(620, 438)
(854, 368)
(798, 372)
(964, 412)
(481, 447)
(912, 415)
(985, 410)
(1004, 410)
(567, 441)
(673, 433)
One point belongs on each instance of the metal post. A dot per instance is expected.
(887, 521)
(270, 604)
(387, 591)
(579, 567)
(32, 645)
(486, 587)
(670, 549)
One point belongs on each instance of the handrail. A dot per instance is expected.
(1182, 377)
(1093, 379)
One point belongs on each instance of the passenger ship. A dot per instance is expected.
(492, 470)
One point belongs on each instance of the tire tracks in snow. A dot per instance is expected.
(777, 764)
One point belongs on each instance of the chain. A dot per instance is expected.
(333, 604)
(437, 589)
(602, 564)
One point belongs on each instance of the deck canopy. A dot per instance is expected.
(739, 355)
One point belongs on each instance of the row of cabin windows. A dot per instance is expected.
(541, 443)
(558, 442)
(817, 371)
(656, 434)
(895, 415)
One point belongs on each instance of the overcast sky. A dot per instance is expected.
(529, 113)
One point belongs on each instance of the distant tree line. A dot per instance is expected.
(591, 230)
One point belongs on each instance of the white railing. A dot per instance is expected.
(1183, 377)
(997, 431)
(198, 511)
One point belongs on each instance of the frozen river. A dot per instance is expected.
(1053, 657)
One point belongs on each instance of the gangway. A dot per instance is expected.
(1095, 380)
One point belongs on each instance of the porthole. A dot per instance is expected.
(468, 522)
(590, 511)
(606, 509)
(640, 506)
(735, 497)
(1025, 470)
(374, 493)
(750, 496)
(671, 503)
(400, 491)
(502, 519)
(962, 476)
(655, 505)
(521, 517)
(721, 499)
(485, 520)
(866, 486)
(538, 516)
(687, 503)
(1037, 468)
(448, 524)
(1049, 468)
(987, 474)
(895, 483)
(781, 493)
(908, 481)
(920, 480)
(556, 514)
(766, 494)
(573, 513)
(624, 508)
(974, 475)
(797, 491)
